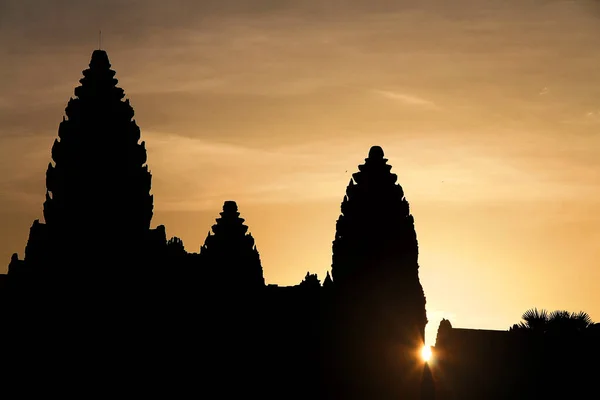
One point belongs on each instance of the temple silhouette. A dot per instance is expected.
(104, 303)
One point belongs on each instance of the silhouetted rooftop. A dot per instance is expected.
(470, 338)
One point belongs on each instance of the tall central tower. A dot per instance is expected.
(98, 204)
(99, 185)
(375, 251)
(92, 264)
(380, 300)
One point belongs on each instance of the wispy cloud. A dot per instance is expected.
(198, 173)
(23, 160)
(206, 171)
(194, 174)
(407, 99)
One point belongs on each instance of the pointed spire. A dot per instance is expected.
(375, 219)
(99, 182)
(376, 244)
(311, 281)
(230, 253)
(328, 283)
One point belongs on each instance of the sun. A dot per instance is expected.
(426, 353)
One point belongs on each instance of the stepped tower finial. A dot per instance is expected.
(230, 252)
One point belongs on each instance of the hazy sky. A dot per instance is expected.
(489, 111)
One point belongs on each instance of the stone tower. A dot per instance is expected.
(229, 255)
(380, 301)
(98, 204)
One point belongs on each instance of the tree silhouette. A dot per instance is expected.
(564, 321)
(556, 322)
(534, 320)
(562, 343)
(230, 255)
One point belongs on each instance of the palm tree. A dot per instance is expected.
(559, 321)
(534, 320)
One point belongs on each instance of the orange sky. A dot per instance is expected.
(488, 110)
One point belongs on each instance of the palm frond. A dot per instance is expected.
(535, 319)
(565, 321)
(559, 315)
(534, 315)
(583, 318)
(556, 321)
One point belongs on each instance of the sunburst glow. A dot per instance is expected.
(426, 353)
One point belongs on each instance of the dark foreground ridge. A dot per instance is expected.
(103, 303)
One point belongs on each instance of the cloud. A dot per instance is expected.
(23, 162)
(255, 76)
(407, 99)
(196, 174)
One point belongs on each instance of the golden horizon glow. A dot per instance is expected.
(426, 353)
